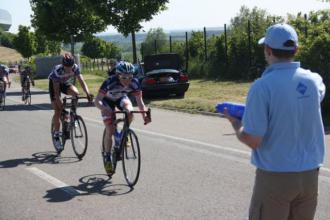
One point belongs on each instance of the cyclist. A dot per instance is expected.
(26, 75)
(112, 67)
(114, 93)
(4, 75)
(61, 79)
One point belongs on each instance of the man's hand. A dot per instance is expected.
(236, 123)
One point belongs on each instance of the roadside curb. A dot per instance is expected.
(188, 111)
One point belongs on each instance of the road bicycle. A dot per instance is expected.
(26, 92)
(2, 95)
(72, 127)
(126, 147)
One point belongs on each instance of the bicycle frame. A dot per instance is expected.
(126, 122)
(128, 153)
(73, 127)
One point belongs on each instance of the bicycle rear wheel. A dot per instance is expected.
(62, 138)
(131, 158)
(79, 137)
(2, 101)
(27, 97)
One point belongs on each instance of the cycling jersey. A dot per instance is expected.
(25, 73)
(58, 74)
(4, 71)
(114, 90)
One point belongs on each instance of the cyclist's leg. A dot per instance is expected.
(70, 89)
(108, 120)
(55, 96)
(126, 104)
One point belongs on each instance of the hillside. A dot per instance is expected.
(9, 55)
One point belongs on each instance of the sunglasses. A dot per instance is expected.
(126, 77)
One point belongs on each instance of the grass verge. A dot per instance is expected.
(202, 95)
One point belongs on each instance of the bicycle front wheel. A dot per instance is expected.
(79, 138)
(131, 158)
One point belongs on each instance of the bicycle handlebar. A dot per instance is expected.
(148, 112)
(76, 98)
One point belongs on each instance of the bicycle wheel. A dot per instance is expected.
(62, 138)
(28, 97)
(131, 158)
(118, 124)
(2, 101)
(79, 138)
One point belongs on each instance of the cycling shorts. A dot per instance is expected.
(122, 103)
(64, 87)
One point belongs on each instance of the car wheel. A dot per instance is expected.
(180, 95)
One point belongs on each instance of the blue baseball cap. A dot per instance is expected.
(278, 35)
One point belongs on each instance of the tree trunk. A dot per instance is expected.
(72, 45)
(134, 47)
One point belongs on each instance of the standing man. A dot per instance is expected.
(282, 124)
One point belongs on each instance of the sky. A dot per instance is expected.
(186, 14)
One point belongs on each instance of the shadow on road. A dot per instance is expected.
(9, 93)
(38, 107)
(91, 184)
(49, 157)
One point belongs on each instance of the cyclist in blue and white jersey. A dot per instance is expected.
(61, 79)
(4, 75)
(114, 93)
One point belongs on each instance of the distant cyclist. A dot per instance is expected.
(26, 75)
(4, 75)
(112, 67)
(61, 80)
(114, 93)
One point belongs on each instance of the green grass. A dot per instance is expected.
(202, 95)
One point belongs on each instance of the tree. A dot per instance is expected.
(6, 39)
(154, 42)
(54, 47)
(67, 21)
(111, 51)
(126, 15)
(93, 48)
(24, 42)
(41, 43)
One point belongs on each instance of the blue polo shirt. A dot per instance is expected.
(283, 107)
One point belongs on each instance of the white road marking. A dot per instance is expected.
(52, 180)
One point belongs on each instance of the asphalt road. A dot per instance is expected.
(193, 167)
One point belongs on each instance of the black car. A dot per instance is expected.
(162, 76)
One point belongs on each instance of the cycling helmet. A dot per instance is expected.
(67, 60)
(124, 68)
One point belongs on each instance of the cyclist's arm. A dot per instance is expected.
(98, 102)
(139, 101)
(141, 106)
(83, 84)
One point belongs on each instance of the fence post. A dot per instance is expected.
(249, 40)
(305, 16)
(205, 47)
(170, 44)
(187, 52)
(226, 45)
(155, 46)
